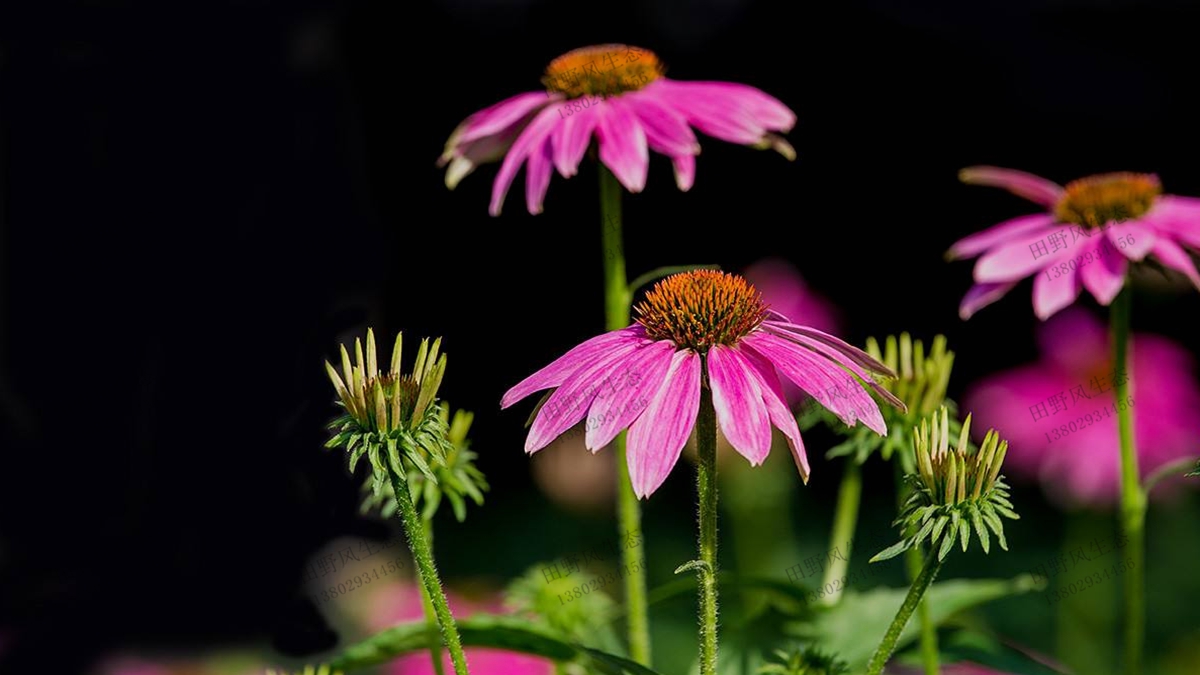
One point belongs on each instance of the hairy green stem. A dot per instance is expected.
(912, 564)
(435, 643)
(423, 556)
(1133, 499)
(629, 512)
(845, 520)
(706, 487)
(911, 601)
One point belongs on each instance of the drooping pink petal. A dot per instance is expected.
(657, 437)
(982, 295)
(832, 387)
(1173, 256)
(570, 401)
(1105, 274)
(741, 413)
(979, 242)
(533, 135)
(729, 100)
(501, 117)
(628, 394)
(1034, 188)
(685, 171)
(1132, 239)
(1019, 258)
(726, 118)
(1177, 217)
(467, 156)
(571, 140)
(537, 176)
(777, 409)
(838, 357)
(580, 355)
(1051, 293)
(622, 144)
(854, 354)
(667, 131)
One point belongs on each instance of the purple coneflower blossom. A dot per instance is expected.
(1058, 413)
(1091, 230)
(696, 329)
(618, 94)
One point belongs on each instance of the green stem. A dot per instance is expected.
(912, 565)
(423, 556)
(435, 644)
(911, 601)
(706, 487)
(1133, 499)
(629, 512)
(845, 520)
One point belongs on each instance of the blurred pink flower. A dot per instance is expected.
(1059, 415)
(963, 668)
(397, 603)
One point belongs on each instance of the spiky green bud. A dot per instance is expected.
(806, 661)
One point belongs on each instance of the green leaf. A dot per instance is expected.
(989, 651)
(947, 544)
(892, 551)
(964, 533)
(852, 628)
(977, 522)
(483, 630)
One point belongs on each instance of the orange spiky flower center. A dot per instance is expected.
(1095, 201)
(701, 308)
(603, 70)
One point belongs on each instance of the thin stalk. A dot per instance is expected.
(1133, 499)
(912, 565)
(706, 488)
(845, 520)
(629, 512)
(911, 601)
(435, 643)
(427, 571)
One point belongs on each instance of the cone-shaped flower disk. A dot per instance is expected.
(618, 94)
(1091, 230)
(697, 329)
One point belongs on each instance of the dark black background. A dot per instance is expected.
(199, 200)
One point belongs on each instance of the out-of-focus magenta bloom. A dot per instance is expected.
(399, 603)
(1090, 231)
(617, 94)
(963, 668)
(697, 329)
(1059, 413)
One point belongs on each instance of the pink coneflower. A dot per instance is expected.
(1093, 227)
(699, 328)
(1058, 412)
(617, 93)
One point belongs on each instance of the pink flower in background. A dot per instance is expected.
(699, 329)
(1089, 232)
(398, 603)
(618, 94)
(1059, 415)
(963, 668)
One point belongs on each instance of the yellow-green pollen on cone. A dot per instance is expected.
(1095, 201)
(702, 308)
(602, 70)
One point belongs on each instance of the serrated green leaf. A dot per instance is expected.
(947, 544)
(964, 533)
(938, 526)
(980, 530)
(892, 551)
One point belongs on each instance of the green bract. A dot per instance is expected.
(954, 491)
(807, 661)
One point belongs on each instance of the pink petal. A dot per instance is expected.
(667, 131)
(777, 409)
(502, 116)
(1017, 259)
(1051, 293)
(848, 350)
(685, 171)
(982, 295)
(1177, 216)
(628, 395)
(530, 139)
(838, 357)
(831, 386)
(1103, 273)
(571, 140)
(1133, 239)
(657, 437)
(709, 112)
(981, 241)
(570, 402)
(537, 176)
(580, 355)
(1173, 256)
(731, 100)
(1034, 188)
(741, 413)
(622, 144)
